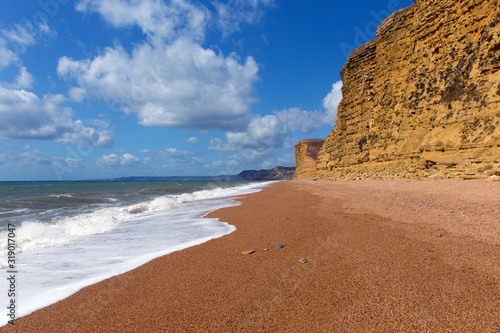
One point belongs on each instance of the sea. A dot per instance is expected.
(58, 237)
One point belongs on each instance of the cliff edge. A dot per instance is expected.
(421, 99)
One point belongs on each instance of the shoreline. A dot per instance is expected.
(381, 256)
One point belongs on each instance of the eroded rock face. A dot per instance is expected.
(422, 98)
(306, 154)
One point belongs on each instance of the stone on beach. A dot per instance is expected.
(248, 252)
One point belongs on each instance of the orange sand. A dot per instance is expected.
(375, 263)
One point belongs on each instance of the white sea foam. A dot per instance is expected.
(33, 235)
(56, 260)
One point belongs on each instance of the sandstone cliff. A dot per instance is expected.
(306, 154)
(421, 99)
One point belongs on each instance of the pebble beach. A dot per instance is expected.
(315, 256)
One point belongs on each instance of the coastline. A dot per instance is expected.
(381, 256)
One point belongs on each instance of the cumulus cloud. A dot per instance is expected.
(170, 80)
(331, 103)
(262, 132)
(114, 160)
(25, 116)
(270, 131)
(295, 120)
(157, 19)
(173, 85)
(192, 140)
(77, 94)
(24, 80)
(266, 135)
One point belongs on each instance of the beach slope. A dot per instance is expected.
(381, 256)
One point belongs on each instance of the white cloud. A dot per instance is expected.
(331, 103)
(25, 116)
(170, 80)
(217, 164)
(7, 56)
(265, 135)
(33, 159)
(295, 119)
(267, 131)
(24, 79)
(248, 157)
(16, 165)
(157, 19)
(172, 156)
(22, 36)
(287, 160)
(77, 94)
(267, 165)
(178, 85)
(114, 160)
(192, 140)
(270, 131)
(234, 12)
(13, 42)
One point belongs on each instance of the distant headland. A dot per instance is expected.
(276, 173)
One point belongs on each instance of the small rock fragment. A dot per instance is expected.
(279, 246)
(439, 235)
(303, 260)
(247, 252)
(265, 250)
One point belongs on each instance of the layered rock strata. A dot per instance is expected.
(306, 155)
(421, 99)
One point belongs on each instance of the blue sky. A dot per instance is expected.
(111, 88)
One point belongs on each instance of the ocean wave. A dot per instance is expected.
(33, 235)
(61, 200)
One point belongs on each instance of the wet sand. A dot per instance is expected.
(382, 256)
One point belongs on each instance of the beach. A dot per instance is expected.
(381, 256)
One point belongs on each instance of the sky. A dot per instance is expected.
(96, 89)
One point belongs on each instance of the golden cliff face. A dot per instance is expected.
(421, 99)
(306, 154)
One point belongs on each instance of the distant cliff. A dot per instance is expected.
(421, 99)
(277, 173)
